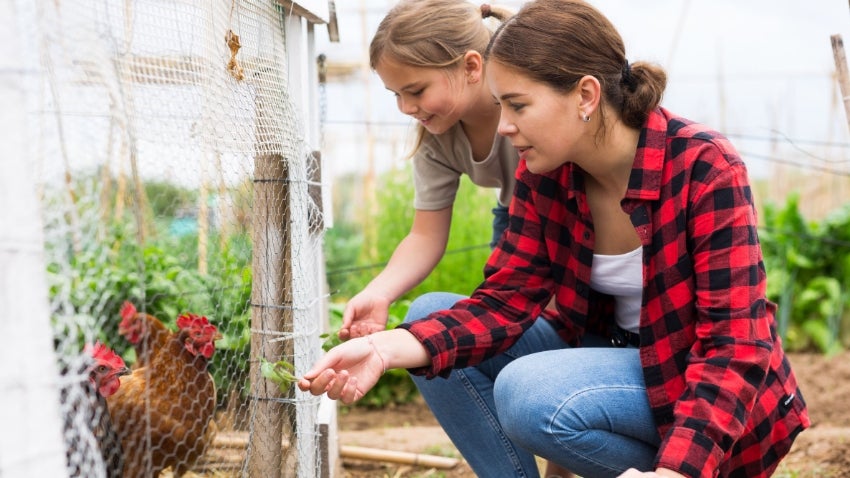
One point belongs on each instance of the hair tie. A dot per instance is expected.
(485, 10)
(627, 78)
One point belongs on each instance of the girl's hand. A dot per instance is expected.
(364, 314)
(346, 372)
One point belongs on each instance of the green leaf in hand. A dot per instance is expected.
(280, 372)
(331, 340)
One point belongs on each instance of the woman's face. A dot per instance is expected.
(543, 124)
(432, 96)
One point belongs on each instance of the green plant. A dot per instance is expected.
(169, 200)
(461, 268)
(161, 278)
(280, 372)
(342, 246)
(808, 267)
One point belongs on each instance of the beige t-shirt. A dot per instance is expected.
(441, 159)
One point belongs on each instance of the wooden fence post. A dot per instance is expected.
(271, 293)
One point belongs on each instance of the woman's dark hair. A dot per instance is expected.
(557, 42)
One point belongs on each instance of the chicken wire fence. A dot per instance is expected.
(176, 182)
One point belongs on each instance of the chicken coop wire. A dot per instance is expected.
(174, 173)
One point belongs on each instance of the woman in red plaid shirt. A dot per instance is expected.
(663, 357)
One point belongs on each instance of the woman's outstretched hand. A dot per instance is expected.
(346, 372)
(352, 368)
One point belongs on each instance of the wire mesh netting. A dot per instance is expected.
(182, 219)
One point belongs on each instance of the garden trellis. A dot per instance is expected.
(174, 147)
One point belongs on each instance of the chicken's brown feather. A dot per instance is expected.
(174, 397)
(153, 336)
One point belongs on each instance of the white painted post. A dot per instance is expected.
(30, 437)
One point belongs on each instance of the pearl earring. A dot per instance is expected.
(585, 117)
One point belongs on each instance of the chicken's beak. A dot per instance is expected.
(123, 371)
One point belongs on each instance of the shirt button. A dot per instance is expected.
(586, 235)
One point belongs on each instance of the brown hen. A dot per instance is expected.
(147, 333)
(163, 411)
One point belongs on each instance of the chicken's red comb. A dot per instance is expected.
(192, 320)
(103, 354)
(128, 310)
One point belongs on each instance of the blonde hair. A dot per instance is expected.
(432, 34)
(557, 42)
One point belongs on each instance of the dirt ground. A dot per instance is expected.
(822, 451)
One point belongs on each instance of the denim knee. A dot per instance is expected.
(520, 413)
(430, 302)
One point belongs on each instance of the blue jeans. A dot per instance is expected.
(500, 223)
(583, 408)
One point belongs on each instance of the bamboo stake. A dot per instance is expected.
(72, 214)
(843, 78)
(369, 191)
(781, 184)
(203, 217)
(841, 69)
(139, 195)
(106, 184)
(223, 202)
(121, 180)
(403, 457)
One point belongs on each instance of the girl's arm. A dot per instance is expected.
(414, 258)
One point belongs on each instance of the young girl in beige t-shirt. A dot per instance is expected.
(428, 54)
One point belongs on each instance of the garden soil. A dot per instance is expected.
(822, 451)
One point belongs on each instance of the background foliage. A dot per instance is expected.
(362, 241)
(808, 270)
(808, 266)
(161, 277)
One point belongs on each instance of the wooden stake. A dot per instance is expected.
(203, 219)
(403, 457)
(841, 69)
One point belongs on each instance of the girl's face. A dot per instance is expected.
(544, 125)
(432, 96)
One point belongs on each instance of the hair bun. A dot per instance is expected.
(486, 11)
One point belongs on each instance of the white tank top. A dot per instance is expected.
(621, 276)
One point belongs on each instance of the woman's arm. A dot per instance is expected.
(352, 368)
(414, 258)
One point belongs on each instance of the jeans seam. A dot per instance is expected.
(493, 421)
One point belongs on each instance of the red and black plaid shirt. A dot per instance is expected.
(721, 389)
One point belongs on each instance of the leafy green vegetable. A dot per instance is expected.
(280, 372)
